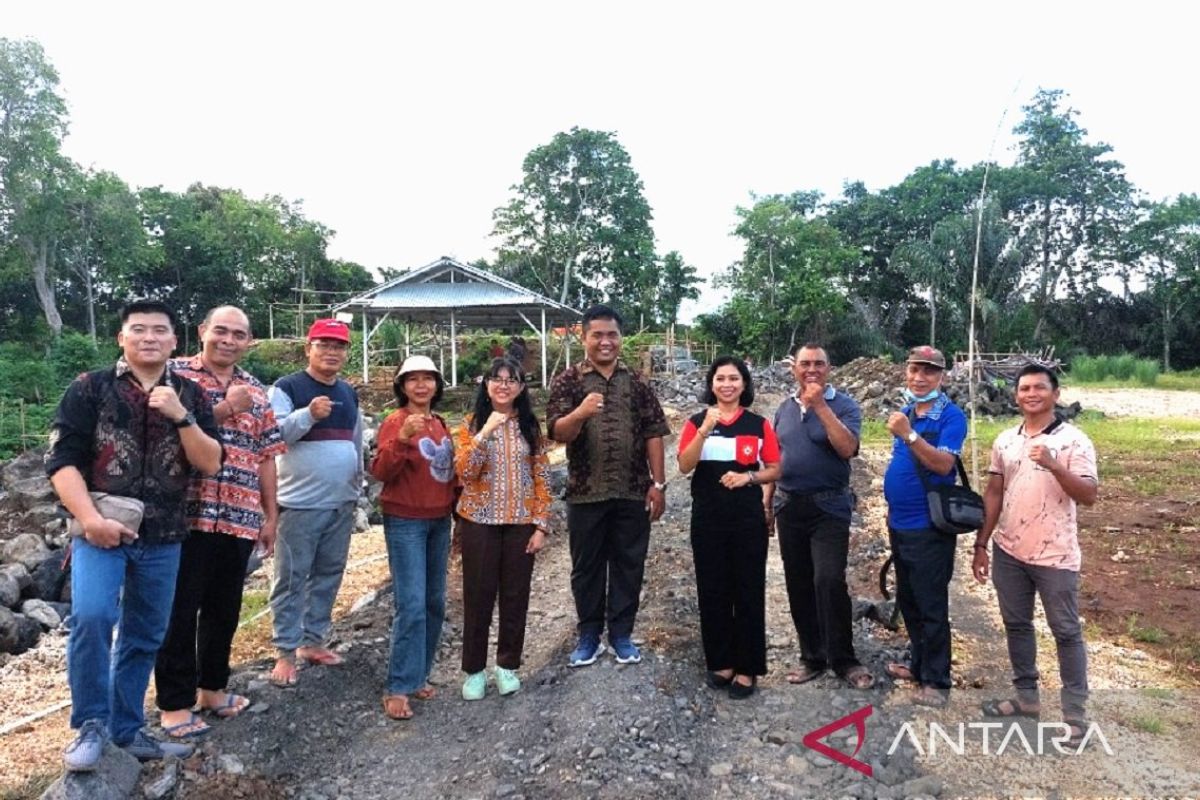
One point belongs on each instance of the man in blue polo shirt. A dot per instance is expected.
(818, 430)
(929, 430)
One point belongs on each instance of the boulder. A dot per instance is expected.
(18, 632)
(115, 778)
(10, 590)
(28, 493)
(49, 577)
(28, 549)
(18, 572)
(42, 613)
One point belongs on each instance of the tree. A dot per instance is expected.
(32, 170)
(578, 226)
(677, 281)
(1075, 203)
(944, 264)
(1167, 246)
(790, 276)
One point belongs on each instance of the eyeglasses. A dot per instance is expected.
(498, 381)
(337, 347)
(811, 364)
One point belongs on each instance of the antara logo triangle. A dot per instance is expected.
(858, 718)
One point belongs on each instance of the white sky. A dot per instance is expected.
(403, 126)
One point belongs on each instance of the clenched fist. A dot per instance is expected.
(494, 421)
(165, 401)
(812, 395)
(239, 398)
(898, 424)
(320, 407)
(413, 424)
(591, 405)
(1042, 456)
(711, 419)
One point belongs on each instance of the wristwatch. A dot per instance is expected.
(662, 487)
(188, 419)
(912, 437)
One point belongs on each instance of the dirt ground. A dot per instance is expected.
(1135, 402)
(569, 733)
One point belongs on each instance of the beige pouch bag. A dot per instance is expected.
(126, 510)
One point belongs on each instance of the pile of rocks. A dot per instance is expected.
(35, 594)
(875, 383)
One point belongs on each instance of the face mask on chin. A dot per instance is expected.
(909, 397)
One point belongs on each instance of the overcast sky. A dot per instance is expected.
(403, 126)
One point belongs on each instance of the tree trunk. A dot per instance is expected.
(91, 305)
(932, 317)
(1166, 335)
(40, 255)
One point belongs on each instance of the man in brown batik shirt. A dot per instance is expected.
(613, 427)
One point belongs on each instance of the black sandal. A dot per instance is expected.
(992, 708)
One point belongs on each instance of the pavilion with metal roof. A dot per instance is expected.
(448, 291)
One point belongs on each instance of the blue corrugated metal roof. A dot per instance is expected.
(449, 295)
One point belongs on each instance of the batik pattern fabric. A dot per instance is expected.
(502, 485)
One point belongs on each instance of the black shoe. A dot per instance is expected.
(717, 681)
(740, 691)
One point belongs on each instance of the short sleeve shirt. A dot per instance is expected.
(743, 443)
(608, 460)
(1037, 518)
(231, 502)
(945, 427)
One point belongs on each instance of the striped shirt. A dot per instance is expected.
(230, 501)
(502, 485)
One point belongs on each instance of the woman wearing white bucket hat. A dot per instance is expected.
(415, 461)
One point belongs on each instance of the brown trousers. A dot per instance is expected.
(494, 562)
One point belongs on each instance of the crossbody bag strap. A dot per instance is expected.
(921, 471)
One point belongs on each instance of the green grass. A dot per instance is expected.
(1123, 369)
(1152, 457)
(253, 601)
(31, 789)
(1158, 693)
(1148, 635)
(1150, 723)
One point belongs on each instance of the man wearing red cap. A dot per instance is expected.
(320, 478)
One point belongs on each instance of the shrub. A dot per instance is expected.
(1145, 371)
(1122, 367)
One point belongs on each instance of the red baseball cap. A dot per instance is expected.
(329, 329)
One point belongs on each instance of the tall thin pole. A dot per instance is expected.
(971, 388)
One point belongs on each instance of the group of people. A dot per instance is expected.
(222, 464)
(794, 476)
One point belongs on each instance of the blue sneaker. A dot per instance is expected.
(83, 754)
(589, 649)
(145, 748)
(625, 650)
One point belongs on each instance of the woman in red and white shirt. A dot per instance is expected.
(733, 452)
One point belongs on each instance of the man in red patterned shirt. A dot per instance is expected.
(227, 514)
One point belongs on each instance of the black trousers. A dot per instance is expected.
(924, 565)
(494, 565)
(730, 557)
(814, 546)
(204, 618)
(609, 541)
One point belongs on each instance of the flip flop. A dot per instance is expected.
(1082, 725)
(859, 678)
(234, 704)
(323, 657)
(396, 707)
(284, 683)
(901, 672)
(992, 708)
(930, 697)
(192, 728)
(425, 693)
(804, 675)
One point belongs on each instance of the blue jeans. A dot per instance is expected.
(131, 586)
(310, 559)
(418, 550)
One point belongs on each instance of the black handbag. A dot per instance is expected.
(952, 509)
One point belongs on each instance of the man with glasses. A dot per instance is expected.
(320, 478)
(818, 430)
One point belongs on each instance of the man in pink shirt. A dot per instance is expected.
(1040, 471)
